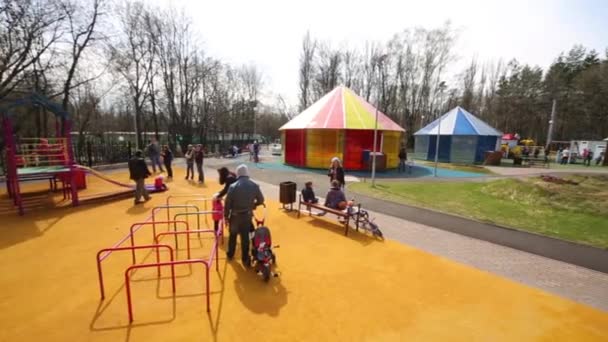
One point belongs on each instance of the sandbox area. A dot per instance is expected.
(331, 287)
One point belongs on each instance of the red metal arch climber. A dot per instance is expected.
(30, 159)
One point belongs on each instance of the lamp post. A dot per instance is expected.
(442, 87)
(380, 60)
(551, 122)
(255, 104)
(437, 147)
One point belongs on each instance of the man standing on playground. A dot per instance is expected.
(243, 197)
(154, 153)
(138, 171)
(256, 152)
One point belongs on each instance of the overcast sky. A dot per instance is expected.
(269, 33)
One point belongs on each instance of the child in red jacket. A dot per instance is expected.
(218, 213)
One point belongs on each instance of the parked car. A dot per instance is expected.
(276, 149)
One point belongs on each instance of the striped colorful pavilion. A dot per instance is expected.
(340, 124)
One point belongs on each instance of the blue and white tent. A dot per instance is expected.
(463, 138)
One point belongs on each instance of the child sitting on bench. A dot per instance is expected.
(308, 194)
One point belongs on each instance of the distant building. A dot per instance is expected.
(341, 124)
(464, 138)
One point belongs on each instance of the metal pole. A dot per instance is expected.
(254, 125)
(380, 60)
(374, 151)
(551, 123)
(437, 147)
(136, 131)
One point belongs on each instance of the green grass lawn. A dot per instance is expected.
(576, 213)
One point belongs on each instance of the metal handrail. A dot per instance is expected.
(168, 199)
(153, 224)
(188, 232)
(172, 264)
(169, 207)
(198, 214)
(111, 249)
(205, 201)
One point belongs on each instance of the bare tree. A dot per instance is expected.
(349, 67)
(28, 30)
(369, 68)
(468, 85)
(495, 71)
(81, 30)
(182, 70)
(306, 70)
(129, 55)
(326, 71)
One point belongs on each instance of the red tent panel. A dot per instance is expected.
(355, 142)
(295, 147)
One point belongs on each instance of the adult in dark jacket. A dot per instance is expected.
(226, 179)
(256, 151)
(336, 171)
(199, 154)
(335, 195)
(138, 171)
(403, 161)
(154, 153)
(243, 197)
(167, 160)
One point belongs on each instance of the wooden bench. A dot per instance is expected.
(336, 212)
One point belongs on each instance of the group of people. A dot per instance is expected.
(253, 148)
(563, 155)
(335, 198)
(588, 157)
(242, 197)
(193, 155)
(138, 169)
(156, 154)
(535, 152)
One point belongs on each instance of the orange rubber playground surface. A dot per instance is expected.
(331, 287)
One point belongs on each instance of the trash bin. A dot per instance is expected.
(287, 194)
(380, 162)
(365, 155)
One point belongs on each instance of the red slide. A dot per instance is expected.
(150, 187)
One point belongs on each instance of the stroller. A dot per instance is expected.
(261, 248)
